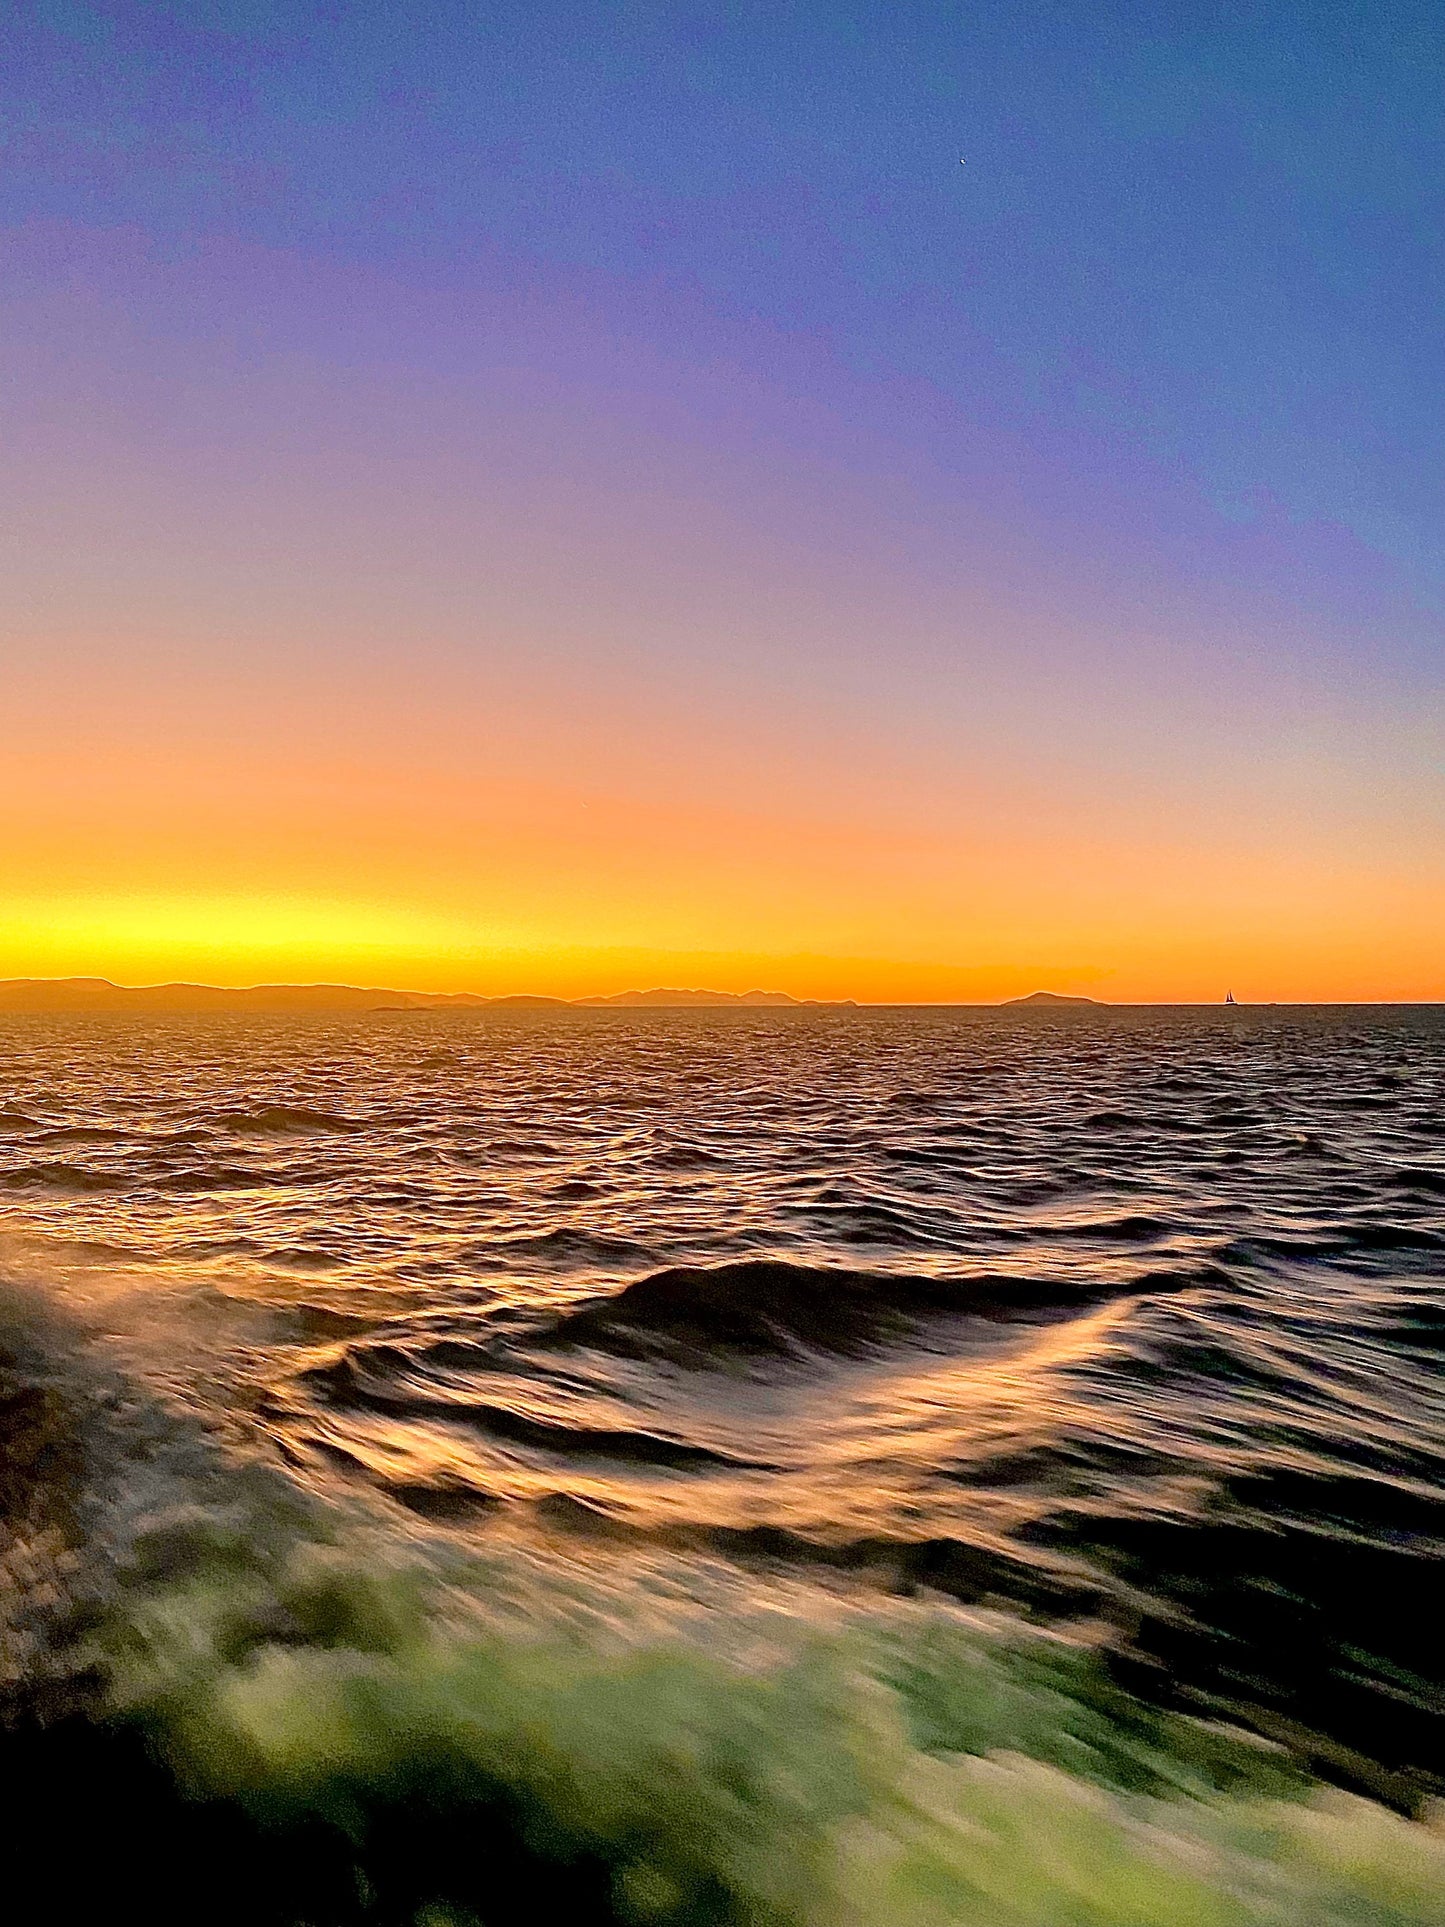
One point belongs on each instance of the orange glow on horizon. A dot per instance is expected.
(240, 942)
(470, 850)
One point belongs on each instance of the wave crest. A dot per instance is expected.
(767, 1307)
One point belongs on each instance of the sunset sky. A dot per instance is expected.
(561, 497)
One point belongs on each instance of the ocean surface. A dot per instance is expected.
(866, 1466)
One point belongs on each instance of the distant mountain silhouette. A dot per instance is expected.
(98, 994)
(653, 997)
(62, 994)
(1050, 1000)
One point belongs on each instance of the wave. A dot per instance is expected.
(385, 1378)
(1416, 1182)
(283, 1120)
(229, 1177)
(1342, 1241)
(59, 1177)
(1133, 1228)
(269, 1714)
(767, 1307)
(563, 1246)
(83, 1134)
(685, 1157)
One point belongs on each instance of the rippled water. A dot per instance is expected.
(1131, 1319)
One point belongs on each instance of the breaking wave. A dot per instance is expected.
(266, 1709)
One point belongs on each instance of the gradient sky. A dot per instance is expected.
(524, 496)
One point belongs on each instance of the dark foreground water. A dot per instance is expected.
(849, 1467)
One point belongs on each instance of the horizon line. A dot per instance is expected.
(682, 997)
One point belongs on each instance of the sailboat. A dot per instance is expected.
(1229, 996)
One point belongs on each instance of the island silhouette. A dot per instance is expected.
(1051, 1000)
(70, 994)
(78, 994)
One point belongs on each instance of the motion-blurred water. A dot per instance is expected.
(1125, 1323)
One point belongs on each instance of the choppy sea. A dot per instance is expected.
(797, 1466)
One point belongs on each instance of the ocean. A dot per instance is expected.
(726, 1465)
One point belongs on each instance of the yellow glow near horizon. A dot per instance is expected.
(214, 865)
(272, 938)
(229, 939)
(240, 941)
